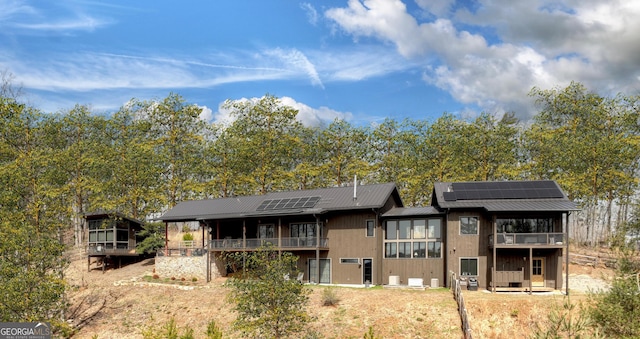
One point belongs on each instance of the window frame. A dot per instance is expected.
(350, 261)
(373, 228)
(468, 258)
(469, 217)
(396, 248)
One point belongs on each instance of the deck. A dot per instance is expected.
(525, 240)
(286, 244)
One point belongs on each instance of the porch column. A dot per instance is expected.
(279, 236)
(495, 252)
(566, 254)
(530, 270)
(317, 250)
(166, 238)
(244, 234)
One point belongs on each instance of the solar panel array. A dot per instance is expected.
(503, 190)
(288, 203)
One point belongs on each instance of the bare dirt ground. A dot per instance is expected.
(121, 304)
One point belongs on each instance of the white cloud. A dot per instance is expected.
(312, 14)
(297, 63)
(536, 43)
(307, 115)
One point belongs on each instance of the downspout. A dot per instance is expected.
(530, 270)
(495, 253)
(166, 238)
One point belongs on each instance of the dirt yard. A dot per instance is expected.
(121, 303)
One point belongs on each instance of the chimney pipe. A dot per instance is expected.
(355, 187)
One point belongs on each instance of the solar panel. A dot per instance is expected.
(287, 203)
(503, 190)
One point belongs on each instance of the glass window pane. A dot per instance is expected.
(93, 236)
(419, 231)
(294, 230)
(110, 235)
(419, 249)
(468, 225)
(434, 228)
(392, 227)
(102, 236)
(404, 229)
(435, 249)
(370, 228)
(469, 266)
(390, 250)
(404, 250)
(122, 235)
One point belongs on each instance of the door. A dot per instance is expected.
(325, 271)
(367, 271)
(537, 275)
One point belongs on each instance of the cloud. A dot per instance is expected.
(54, 17)
(535, 44)
(297, 62)
(312, 14)
(307, 115)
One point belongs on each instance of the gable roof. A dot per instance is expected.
(301, 202)
(502, 196)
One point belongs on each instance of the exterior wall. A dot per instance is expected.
(426, 269)
(348, 239)
(468, 246)
(182, 267)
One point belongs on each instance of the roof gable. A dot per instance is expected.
(315, 201)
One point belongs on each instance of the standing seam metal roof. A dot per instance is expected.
(331, 199)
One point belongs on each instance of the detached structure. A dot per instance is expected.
(111, 236)
(506, 235)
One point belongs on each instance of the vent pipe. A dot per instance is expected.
(355, 187)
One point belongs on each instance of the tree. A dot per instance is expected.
(153, 237)
(269, 304)
(345, 148)
(32, 219)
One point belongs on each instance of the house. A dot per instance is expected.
(111, 236)
(364, 234)
(509, 235)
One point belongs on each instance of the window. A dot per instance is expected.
(404, 229)
(390, 250)
(400, 233)
(434, 229)
(419, 249)
(435, 249)
(468, 225)
(523, 225)
(371, 228)
(419, 229)
(266, 231)
(391, 230)
(305, 230)
(404, 250)
(469, 266)
(349, 260)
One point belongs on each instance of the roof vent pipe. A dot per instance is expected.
(355, 187)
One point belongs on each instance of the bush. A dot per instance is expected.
(213, 331)
(187, 237)
(329, 297)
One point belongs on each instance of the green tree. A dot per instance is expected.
(345, 149)
(153, 237)
(265, 134)
(267, 302)
(616, 312)
(32, 218)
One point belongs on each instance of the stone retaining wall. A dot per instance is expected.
(182, 267)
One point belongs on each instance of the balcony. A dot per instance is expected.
(528, 240)
(253, 244)
(102, 250)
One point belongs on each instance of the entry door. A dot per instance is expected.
(537, 276)
(367, 271)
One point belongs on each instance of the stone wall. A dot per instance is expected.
(182, 267)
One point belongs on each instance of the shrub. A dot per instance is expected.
(213, 331)
(329, 297)
(187, 237)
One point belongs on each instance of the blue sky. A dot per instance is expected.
(363, 61)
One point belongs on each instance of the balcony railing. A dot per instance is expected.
(251, 244)
(528, 239)
(103, 250)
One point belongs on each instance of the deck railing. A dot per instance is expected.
(528, 239)
(102, 250)
(251, 244)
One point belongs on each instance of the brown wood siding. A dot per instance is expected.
(406, 268)
(468, 246)
(348, 239)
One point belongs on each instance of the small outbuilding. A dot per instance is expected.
(111, 236)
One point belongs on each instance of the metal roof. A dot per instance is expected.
(411, 212)
(503, 196)
(331, 199)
